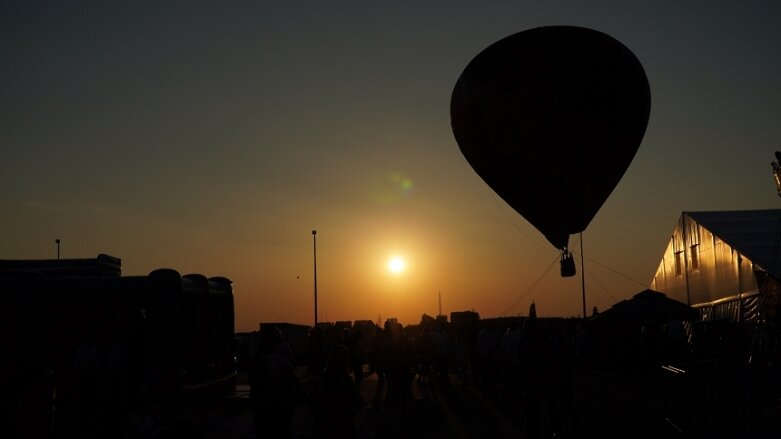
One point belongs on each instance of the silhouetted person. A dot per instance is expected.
(508, 351)
(424, 352)
(537, 353)
(583, 346)
(356, 355)
(137, 361)
(336, 397)
(474, 358)
(88, 369)
(461, 357)
(275, 390)
(487, 358)
(376, 361)
(564, 403)
(399, 359)
(440, 341)
(317, 351)
(508, 345)
(116, 386)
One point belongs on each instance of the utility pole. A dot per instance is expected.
(58, 248)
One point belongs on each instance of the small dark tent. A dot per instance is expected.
(650, 305)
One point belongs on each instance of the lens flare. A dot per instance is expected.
(391, 189)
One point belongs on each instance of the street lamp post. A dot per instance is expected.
(777, 171)
(314, 251)
(58, 248)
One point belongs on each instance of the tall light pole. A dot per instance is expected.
(777, 171)
(314, 251)
(58, 248)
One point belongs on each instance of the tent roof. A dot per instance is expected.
(652, 305)
(754, 233)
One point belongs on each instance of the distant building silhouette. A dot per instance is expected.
(464, 318)
(343, 324)
(365, 326)
(427, 320)
(101, 266)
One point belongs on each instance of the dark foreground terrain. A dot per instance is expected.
(606, 404)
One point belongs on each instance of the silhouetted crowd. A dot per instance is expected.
(526, 367)
(523, 366)
(523, 358)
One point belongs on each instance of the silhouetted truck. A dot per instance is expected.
(158, 337)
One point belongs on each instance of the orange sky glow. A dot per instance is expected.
(213, 138)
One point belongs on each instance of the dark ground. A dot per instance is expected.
(644, 404)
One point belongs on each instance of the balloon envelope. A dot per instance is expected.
(550, 119)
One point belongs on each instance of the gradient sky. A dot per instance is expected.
(212, 137)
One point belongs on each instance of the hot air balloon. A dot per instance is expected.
(550, 118)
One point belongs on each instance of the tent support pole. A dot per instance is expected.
(583, 275)
(685, 257)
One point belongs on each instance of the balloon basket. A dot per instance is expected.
(567, 264)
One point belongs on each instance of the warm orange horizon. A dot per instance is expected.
(212, 139)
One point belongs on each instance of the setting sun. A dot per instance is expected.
(396, 264)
